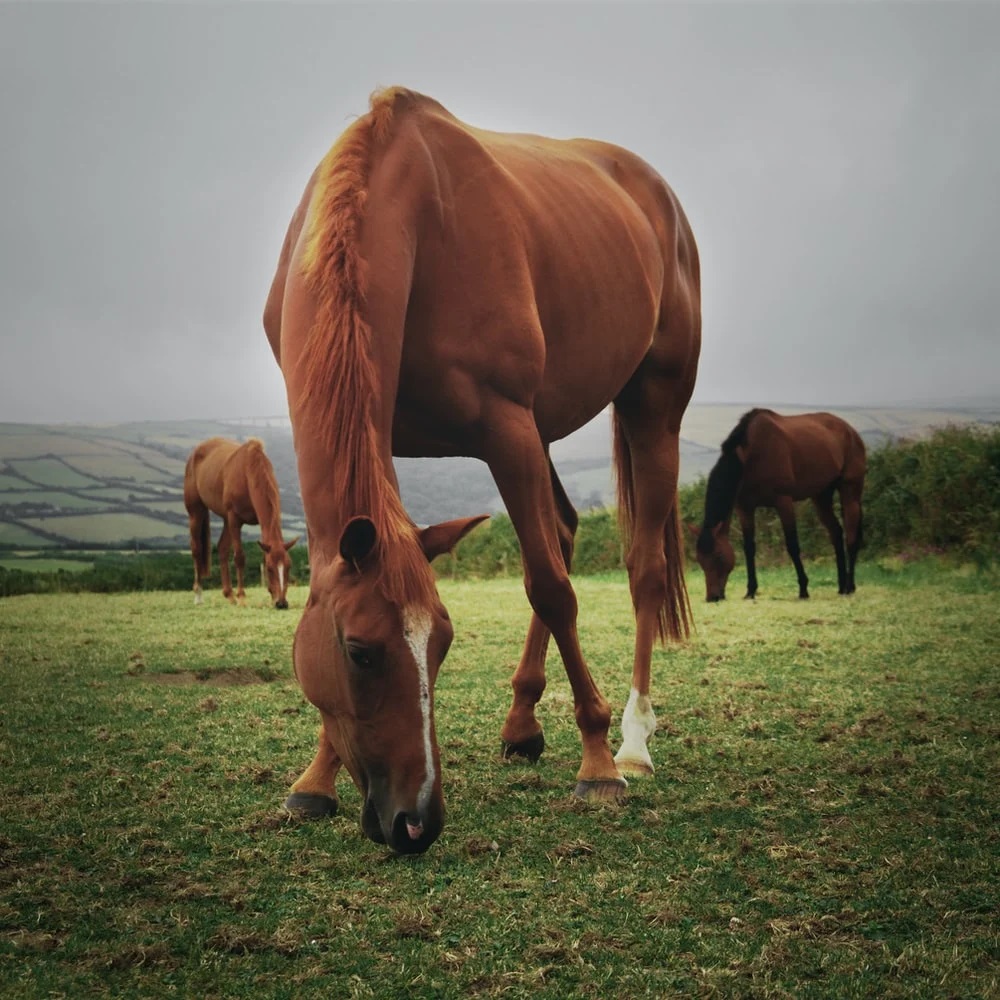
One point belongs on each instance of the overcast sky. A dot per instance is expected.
(840, 165)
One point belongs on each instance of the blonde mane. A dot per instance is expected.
(340, 382)
(264, 492)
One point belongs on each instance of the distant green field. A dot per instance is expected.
(69, 501)
(14, 536)
(39, 441)
(105, 529)
(50, 472)
(11, 483)
(167, 506)
(126, 466)
(119, 492)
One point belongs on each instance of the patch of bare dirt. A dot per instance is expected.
(231, 677)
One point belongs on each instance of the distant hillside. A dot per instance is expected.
(121, 485)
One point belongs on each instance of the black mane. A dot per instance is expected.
(724, 482)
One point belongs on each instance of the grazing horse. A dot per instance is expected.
(235, 481)
(771, 461)
(445, 290)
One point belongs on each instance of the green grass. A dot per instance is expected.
(822, 823)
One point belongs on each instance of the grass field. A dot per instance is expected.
(822, 823)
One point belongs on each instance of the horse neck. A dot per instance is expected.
(264, 497)
(720, 493)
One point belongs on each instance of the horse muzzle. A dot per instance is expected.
(405, 831)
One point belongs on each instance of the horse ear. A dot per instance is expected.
(441, 538)
(264, 548)
(720, 529)
(358, 540)
(288, 545)
(693, 528)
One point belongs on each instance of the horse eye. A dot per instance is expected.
(360, 655)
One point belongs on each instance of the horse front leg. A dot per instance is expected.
(786, 514)
(749, 530)
(517, 459)
(314, 794)
(522, 734)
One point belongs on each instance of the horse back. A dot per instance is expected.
(205, 475)
(543, 269)
(799, 456)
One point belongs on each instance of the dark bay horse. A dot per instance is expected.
(444, 290)
(235, 481)
(772, 461)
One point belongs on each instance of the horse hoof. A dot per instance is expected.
(634, 767)
(749, 595)
(604, 790)
(530, 748)
(310, 805)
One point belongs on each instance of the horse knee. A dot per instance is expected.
(648, 578)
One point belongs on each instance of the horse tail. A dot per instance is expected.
(674, 615)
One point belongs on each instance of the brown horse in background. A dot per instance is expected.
(235, 481)
(444, 290)
(772, 461)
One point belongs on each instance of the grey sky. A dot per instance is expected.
(839, 164)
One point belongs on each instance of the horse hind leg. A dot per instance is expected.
(824, 508)
(786, 514)
(201, 545)
(522, 734)
(850, 508)
(653, 560)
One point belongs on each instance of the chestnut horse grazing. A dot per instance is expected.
(235, 481)
(771, 461)
(445, 290)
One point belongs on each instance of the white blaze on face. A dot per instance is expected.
(417, 624)
(281, 579)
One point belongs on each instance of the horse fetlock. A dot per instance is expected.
(634, 762)
(311, 805)
(530, 748)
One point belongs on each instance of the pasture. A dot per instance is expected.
(822, 822)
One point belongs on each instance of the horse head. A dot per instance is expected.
(369, 662)
(716, 557)
(277, 565)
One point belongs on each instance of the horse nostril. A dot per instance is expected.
(281, 605)
(410, 834)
